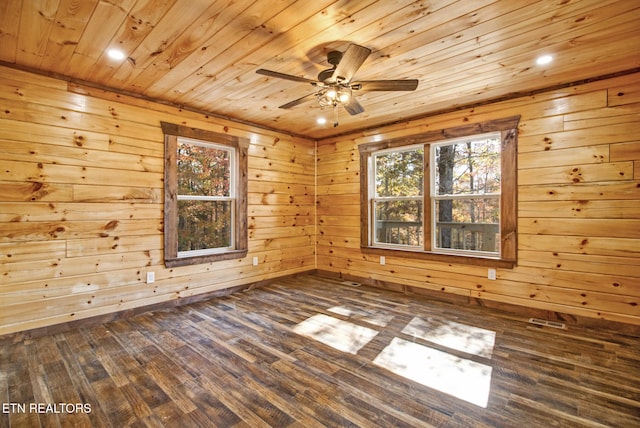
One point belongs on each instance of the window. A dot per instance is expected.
(446, 195)
(465, 195)
(205, 196)
(398, 197)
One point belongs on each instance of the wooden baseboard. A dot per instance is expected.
(114, 316)
(510, 310)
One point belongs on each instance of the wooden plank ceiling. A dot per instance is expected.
(203, 54)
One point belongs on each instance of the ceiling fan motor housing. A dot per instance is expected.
(333, 58)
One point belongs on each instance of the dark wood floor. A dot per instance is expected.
(240, 361)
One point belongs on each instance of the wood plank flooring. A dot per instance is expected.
(245, 360)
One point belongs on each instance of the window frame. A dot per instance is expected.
(233, 166)
(507, 258)
(375, 199)
(434, 197)
(239, 238)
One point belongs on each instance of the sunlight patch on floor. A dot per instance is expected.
(461, 337)
(341, 335)
(377, 318)
(462, 378)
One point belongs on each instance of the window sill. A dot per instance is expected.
(443, 258)
(194, 260)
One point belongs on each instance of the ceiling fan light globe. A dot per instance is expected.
(344, 96)
(324, 100)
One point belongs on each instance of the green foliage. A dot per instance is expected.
(204, 224)
(400, 175)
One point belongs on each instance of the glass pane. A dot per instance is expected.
(204, 224)
(468, 224)
(399, 173)
(468, 167)
(203, 170)
(399, 222)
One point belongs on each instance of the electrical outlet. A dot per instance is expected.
(255, 260)
(151, 277)
(491, 274)
(383, 260)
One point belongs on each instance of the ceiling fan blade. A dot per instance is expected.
(353, 107)
(386, 85)
(284, 76)
(298, 101)
(352, 59)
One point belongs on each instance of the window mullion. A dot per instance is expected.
(426, 198)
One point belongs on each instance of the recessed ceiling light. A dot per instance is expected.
(116, 54)
(544, 59)
(321, 121)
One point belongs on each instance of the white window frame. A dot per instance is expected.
(233, 168)
(434, 197)
(375, 199)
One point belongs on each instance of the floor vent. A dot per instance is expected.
(546, 323)
(351, 283)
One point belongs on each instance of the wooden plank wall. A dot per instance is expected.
(81, 204)
(578, 205)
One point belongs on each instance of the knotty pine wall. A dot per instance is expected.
(578, 202)
(81, 208)
(81, 205)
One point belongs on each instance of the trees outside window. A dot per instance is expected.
(465, 196)
(398, 197)
(441, 197)
(206, 195)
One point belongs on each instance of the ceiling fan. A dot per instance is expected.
(336, 87)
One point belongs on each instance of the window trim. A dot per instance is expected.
(239, 229)
(508, 128)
